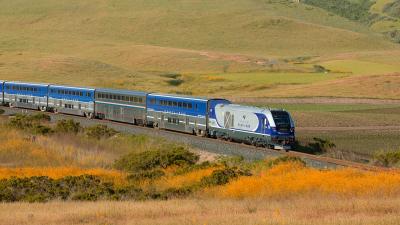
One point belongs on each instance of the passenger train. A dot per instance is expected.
(208, 117)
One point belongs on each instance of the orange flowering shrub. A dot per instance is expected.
(294, 179)
(183, 180)
(114, 176)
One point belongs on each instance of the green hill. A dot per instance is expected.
(133, 44)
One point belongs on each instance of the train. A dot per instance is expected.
(207, 117)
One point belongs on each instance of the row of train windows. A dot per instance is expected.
(68, 92)
(174, 104)
(22, 88)
(120, 97)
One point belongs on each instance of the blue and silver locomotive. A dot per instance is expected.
(253, 125)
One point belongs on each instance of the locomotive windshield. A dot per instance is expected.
(282, 121)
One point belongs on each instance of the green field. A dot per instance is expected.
(263, 48)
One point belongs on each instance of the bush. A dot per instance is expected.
(175, 82)
(321, 145)
(285, 159)
(68, 126)
(358, 11)
(320, 69)
(223, 176)
(31, 123)
(100, 131)
(141, 175)
(2, 111)
(387, 159)
(42, 189)
(154, 159)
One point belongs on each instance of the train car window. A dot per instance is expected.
(169, 103)
(195, 106)
(135, 99)
(141, 100)
(152, 101)
(118, 97)
(190, 105)
(184, 105)
(89, 95)
(123, 98)
(80, 93)
(175, 104)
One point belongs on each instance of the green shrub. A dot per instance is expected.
(171, 75)
(223, 176)
(31, 123)
(42, 130)
(2, 111)
(175, 193)
(68, 126)
(358, 11)
(142, 175)
(166, 156)
(321, 145)
(320, 69)
(175, 82)
(100, 131)
(83, 188)
(387, 159)
(285, 159)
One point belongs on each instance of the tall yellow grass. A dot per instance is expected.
(114, 176)
(294, 179)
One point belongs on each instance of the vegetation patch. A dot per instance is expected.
(164, 157)
(31, 123)
(68, 126)
(100, 131)
(353, 10)
(387, 158)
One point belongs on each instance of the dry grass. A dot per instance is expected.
(315, 210)
(294, 179)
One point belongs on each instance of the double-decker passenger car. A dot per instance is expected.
(181, 113)
(26, 95)
(257, 126)
(121, 105)
(72, 100)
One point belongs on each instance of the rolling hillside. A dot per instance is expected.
(138, 44)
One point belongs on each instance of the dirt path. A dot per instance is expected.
(348, 128)
(317, 100)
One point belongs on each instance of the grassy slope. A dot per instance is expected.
(127, 44)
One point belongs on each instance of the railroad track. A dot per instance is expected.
(207, 144)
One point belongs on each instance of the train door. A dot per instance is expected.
(228, 120)
(162, 122)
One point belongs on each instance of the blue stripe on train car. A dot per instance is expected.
(175, 104)
(28, 89)
(79, 94)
